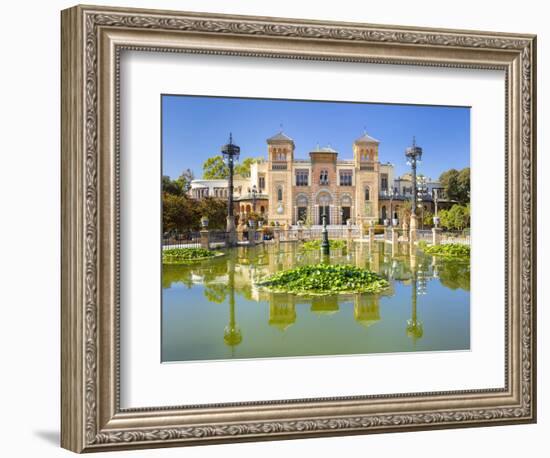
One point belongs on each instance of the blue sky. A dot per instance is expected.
(194, 128)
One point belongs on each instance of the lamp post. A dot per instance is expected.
(254, 192)
(325, 247)
(231, 152)
(413, 154)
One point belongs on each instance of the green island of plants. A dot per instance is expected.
(313, 245)
(186, 255)
(322, 279)
(448, 250)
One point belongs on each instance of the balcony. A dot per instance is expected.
(279, 166)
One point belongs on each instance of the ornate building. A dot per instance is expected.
(288, 190)
(299, 189)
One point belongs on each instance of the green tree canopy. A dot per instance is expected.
(243, 169)
(173, 187)
(178, 212)
(456, 218)
(185, 179)
(463, 180)
(456, 184)
(181, 213)
(215, 168)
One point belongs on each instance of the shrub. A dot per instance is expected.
(322, 279)
(450, 250)
(186, 255)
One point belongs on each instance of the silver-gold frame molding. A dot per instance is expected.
(92, 40)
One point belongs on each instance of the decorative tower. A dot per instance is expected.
(367, 168)
(280, 156)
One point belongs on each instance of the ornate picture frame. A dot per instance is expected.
(92, 40)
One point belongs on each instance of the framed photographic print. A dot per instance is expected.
(278, 228)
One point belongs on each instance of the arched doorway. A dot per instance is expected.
(346, 208)
(323, 201)
(301, 208)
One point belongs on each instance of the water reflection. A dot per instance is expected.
(197, 297)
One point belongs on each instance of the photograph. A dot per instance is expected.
(300, 228)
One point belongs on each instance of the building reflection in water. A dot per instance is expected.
(227, 276)
(366, 309)
(282, 311)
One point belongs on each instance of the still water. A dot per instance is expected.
(212, 310)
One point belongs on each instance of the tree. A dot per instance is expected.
(449, 182)
(215, 210)
(463, 180)
(428, 218)
(456, 184)
(178, 213)
(214, 168)
(243, 169)
(456, 218)
(460, 216)
(172, 187)
(185, 179)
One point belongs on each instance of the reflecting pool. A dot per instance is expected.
(213, 310)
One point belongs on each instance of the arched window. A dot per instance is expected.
(323, 177)
(279, 194)
(367, 194)
(301, 201)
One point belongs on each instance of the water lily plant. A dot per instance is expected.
(322, 279)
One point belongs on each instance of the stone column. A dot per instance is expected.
(436, 236)
(276, 235)
(300, 232)
(205, 239)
